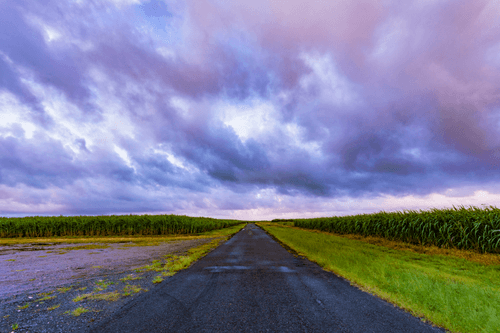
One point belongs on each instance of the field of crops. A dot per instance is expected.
(47, 226)
(462, 228)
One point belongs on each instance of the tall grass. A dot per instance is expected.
(470, 228)
(47, 226)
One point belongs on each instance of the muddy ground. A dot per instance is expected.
(39, 282)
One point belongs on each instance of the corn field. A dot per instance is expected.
(463, 228)
(47, 226)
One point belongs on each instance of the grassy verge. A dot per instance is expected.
(452, 291)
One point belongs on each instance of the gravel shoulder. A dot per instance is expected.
(40, 282)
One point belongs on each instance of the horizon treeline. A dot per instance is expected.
(108, 225)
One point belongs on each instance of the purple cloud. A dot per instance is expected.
(265, 108)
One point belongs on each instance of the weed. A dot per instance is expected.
(46, 298)
(155, 266)
(131, 289)
(86, 247)
(110, 296)
(78, 311)
(102, 285)
(10, 260)
(15, 327)
(81, 297)
(53, 307)
(32, 279)
(63, 290)
(45, 294)
(25, 306)
(130, 277)
(157, 279)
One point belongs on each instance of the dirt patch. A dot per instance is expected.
(36, 267)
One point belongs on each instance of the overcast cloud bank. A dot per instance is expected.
(264, 110)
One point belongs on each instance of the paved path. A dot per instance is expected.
(252, 284)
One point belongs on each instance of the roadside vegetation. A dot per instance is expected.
(48, 226)
(470, 228)
(453, 288)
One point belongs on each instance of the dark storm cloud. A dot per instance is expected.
(25, 48)
(367, 99)
(39, 163)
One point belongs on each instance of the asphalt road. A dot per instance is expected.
(252, 284)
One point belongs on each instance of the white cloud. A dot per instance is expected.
(182, 105)
(173, 159)
(249, 120)
(335, 88)
(14, 112)
(124, 155)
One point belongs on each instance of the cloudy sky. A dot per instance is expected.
(248, 109)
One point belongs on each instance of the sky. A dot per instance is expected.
(248, 110)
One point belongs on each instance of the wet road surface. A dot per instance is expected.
(252, 284)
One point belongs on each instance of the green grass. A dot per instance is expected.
(110, 296)
(25, 306)
(48, 226)
(63, 290)
(462, 228)
(102, 285)
(53, 307)
(130, 277)
(157, 279)
(77, 312)
(131, 289)
(455, 293)
(85, 247)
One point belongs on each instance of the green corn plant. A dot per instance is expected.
(470, 228)
(38, 226)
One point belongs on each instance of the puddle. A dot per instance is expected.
(28, 267)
